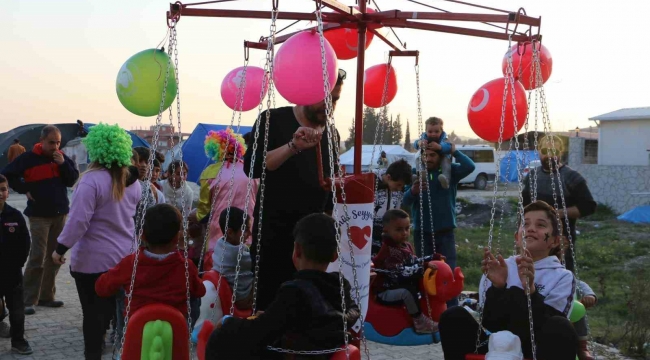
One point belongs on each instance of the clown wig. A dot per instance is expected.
(215, 144)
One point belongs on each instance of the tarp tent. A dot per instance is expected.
(638, 215)
(194, 152)
(29, 135)
(524, 157)
(393, 153)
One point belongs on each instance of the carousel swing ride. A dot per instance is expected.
(159, 330)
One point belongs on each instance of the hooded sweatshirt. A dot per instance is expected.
(159, 279)
(507, 308)
(555, 284)
(305, 315)
(228, 268)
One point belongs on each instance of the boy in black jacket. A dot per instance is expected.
(306, 314)
(14, 249)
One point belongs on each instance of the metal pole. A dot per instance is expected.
(358, 113)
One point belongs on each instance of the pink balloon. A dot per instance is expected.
(298, 69)
(230, 88)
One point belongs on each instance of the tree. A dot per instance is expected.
(370, 120)
(407, 138)
(350, 141)
(396, 131)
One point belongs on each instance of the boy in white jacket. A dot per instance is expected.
(503, 292)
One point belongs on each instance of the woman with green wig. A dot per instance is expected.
(100, 226)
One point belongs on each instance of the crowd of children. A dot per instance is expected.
(307, 312)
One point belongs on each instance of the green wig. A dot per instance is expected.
(109, 145)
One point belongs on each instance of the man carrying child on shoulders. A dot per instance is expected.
(443, 206)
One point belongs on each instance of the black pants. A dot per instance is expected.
(556, 339)
(16, 306)
(276, 264)
(97, 314)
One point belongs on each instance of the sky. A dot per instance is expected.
(60, 60)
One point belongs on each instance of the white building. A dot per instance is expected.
(624, 137)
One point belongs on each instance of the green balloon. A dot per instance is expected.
(578, 311)
(140, 82)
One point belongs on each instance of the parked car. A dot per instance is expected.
(484, 156)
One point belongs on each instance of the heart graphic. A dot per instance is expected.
(360, 236)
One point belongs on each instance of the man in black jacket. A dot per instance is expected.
(44, 175)
(578, 198)
(14, 248)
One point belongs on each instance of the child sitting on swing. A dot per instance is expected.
(395, 254)
(505, 306)
(227, 248)
(306, 314)
(160, 273)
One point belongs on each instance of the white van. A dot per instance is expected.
(484, 157)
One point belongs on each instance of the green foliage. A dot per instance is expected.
(613, 258)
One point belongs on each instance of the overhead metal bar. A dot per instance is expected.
(419, 15)
(344, 16)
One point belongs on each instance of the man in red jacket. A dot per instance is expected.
(44, 175)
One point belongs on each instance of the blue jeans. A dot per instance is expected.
(445, 245)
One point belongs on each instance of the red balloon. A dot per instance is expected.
(345, 41)
(522, 59)
(484, 110)
(374, 80)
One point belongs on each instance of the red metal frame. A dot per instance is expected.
(349, 17)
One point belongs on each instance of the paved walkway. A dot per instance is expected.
(55, 334)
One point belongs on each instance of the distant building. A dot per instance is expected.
(167, 137)
(624, 137)
(620, 177)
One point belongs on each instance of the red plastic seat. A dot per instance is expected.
(225, 294)
(153, 312)
(355, 354)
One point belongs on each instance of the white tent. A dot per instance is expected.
(174, 152)
(76, 150)
(393, 153)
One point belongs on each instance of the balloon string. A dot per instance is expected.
(154, 54)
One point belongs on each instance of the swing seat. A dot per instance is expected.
(157, 331)
(206, 322)
(207, 261)
(392, 325)
(225, 294)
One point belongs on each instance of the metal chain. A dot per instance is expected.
(494, 200)
(423, 176)
(379, 130)
(510, 78)
(329, 114)
(249, 190)
(269, 69)
(504, 197)
(184, 210)
(556, 167)
(240, 97)
(147, 183)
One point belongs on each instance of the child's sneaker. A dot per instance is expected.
(444, 182)
(423, 325)
(22, 348)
